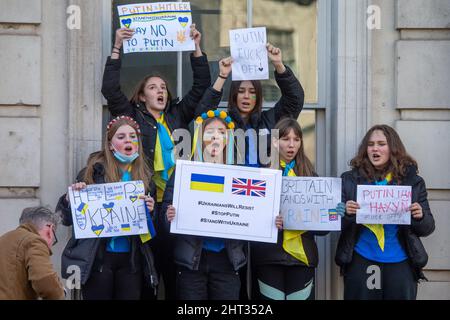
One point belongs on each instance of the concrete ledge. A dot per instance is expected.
(423, 75)
(423, 14)
(20, 161)
(428, 143)
(20, 63)
(20, 11)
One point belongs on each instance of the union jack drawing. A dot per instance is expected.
(249, 187)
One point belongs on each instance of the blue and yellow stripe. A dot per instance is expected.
(205, 182)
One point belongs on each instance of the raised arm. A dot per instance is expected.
(201, 81)
(118, 103)
(292, 95)
(212, 96)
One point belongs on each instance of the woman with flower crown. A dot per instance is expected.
(208, 268)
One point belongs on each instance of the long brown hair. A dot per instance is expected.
(303, 166)
(398, 162)
(234, 90)
(139, 169)
(139, 89)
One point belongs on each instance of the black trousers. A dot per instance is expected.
(115, 280)
(162, 247)
(215, 280)
(369, 280)
(279, 282)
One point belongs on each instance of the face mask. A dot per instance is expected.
(123, 158)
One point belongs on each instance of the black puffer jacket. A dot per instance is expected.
(289, 105)
(408, 234)
(87, 254)
(178, 114)
(188, 249)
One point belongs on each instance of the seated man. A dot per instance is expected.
(26, 271)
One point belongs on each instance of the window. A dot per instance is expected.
(291, 25)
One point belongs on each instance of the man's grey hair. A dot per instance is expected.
(38, 217)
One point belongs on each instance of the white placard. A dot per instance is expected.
(108, 210)
(225, 201)
(249, 53)
(159, 26)
(383, 204)
(309, 203)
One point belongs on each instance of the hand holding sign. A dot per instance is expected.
(416, 211)
(170, 214)
(121, 35)
(351, 207)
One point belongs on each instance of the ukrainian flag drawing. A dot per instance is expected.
(205, 182)
(82, 207)
(126, 227)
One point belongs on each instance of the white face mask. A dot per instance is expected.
(123, 158)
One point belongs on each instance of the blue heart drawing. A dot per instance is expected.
(183, 21)
(133, 198)
(98, 229)
(108, 206)
(126, 22)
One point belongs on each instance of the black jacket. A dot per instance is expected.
(273, 253)
(289, 105)
(88, 253)
(178, 114)
(408, 234)
(188, 249)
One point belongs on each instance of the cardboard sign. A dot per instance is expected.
(108, 210)
(383, 204)
(309, 203)
(159, 26)
(225, 201)
(249, 53)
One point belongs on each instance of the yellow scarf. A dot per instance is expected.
(292, 239)
(158, 163)
(378, 229)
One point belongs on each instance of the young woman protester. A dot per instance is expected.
(395, 250)
(208, 268)
(118, 267)
(285, 270)
(158, 116)
(245, 106)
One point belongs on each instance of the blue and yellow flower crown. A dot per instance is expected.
(197, 147)
(216, 114)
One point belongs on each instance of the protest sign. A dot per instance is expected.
(159, 26)
(249, 53)
(309, 203)
(225, 201)
(383, 204)
(108, 210)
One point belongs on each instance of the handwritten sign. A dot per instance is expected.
(309, 203)
(383, 204)
(159, 26)
(225, 201)
(108, 210)
(249, 53)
